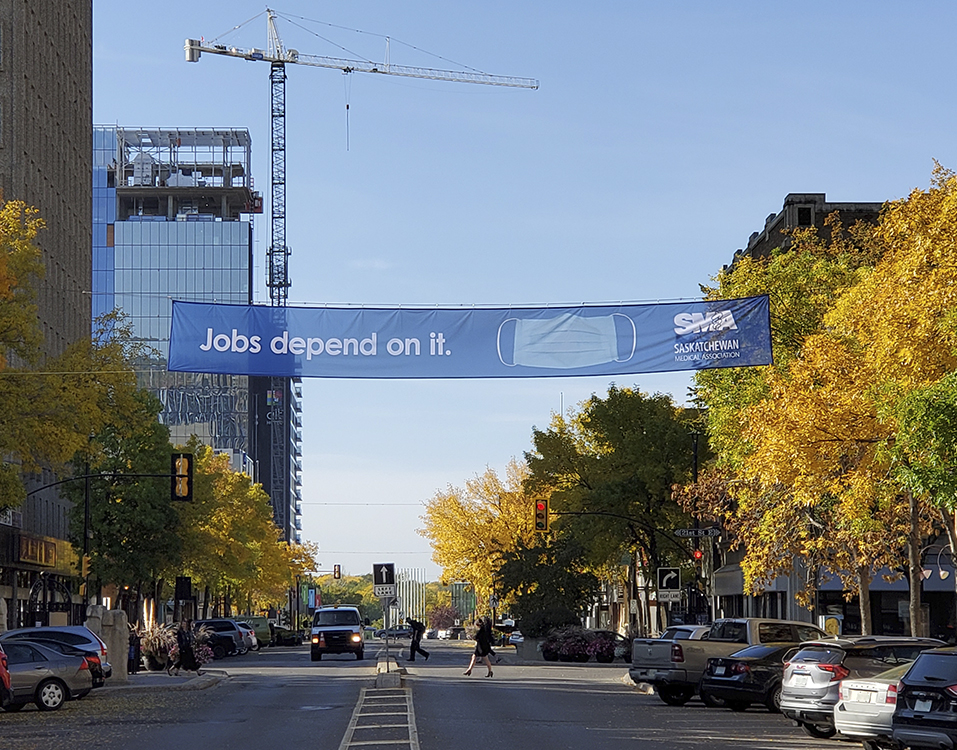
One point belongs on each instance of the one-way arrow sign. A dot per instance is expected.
(383, 580)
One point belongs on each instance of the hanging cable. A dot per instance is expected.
(347, 90)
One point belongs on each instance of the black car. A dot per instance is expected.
(751, 675)
(926, 714)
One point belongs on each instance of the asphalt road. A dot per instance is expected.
(279, 698)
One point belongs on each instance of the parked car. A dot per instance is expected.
(515, 637)
(260, 625)
(676, 667)
(812, 676)
(866, 707)
(6, 692)
(926, 696)
(249, 636)
(685, 632)
(92, 657)
(224, 626)
(40, 675)
(284, 636)
(751, 675)
(399, 631)
(74, 635)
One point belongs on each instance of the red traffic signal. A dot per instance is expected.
(698, 554)
(541, 515)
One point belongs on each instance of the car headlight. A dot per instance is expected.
(356, 637)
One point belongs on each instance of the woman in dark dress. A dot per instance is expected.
(483, 646)
(185, 656)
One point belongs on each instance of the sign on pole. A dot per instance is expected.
(669, 579)
(694, 533)
(383, 580)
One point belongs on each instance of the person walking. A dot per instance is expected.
(418, 630)
(134, 654)
(185, 656)
(483, 645)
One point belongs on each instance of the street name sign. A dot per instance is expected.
(693, 533)
(383, 580)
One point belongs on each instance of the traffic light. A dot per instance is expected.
(698, 557)
(336, 571)
(85, 567)
(181, 481)
(541, 515)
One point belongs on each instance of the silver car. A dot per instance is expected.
(40, 675)
(79, 636)
(866, 707)
(813, 675)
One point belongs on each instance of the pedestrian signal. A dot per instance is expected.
(337, 571)
(182, 476)
(541, 515)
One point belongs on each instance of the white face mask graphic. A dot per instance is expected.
(567, 341)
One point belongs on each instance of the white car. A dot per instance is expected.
(250, 641)
(866, 706)
(515, 637)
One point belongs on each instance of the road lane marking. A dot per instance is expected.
(382, 718)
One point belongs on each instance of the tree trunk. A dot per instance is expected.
(914, 569)
(864, 599)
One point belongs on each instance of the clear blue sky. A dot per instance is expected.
(662, 135)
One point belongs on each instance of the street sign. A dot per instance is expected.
(692, 533)
(669, 596)
(383, 580)
(669, 579)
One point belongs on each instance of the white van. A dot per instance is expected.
(337, 630)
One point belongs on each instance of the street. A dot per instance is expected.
(277, 697)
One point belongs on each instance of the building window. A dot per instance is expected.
(805, 216)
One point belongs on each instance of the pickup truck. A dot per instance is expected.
(675, 667)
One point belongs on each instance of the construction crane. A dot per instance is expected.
(278, 281)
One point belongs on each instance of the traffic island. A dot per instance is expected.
(388, 673)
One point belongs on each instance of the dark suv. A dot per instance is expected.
(812, 676)
(926, 713)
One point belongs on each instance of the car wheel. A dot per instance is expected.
(675, 696)
(819, 731)
(711, 702)
(51, 694)
(316, 656)
(774, 699)
(219, 651)
(243, 650)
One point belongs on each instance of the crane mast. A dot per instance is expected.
(278, 254)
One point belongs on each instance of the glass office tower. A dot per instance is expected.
(172, 220)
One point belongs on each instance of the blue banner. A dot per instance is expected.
(321, 342)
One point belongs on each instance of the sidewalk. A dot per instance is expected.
(145, 680)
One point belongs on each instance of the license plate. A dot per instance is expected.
(719, 670)
(799, 680)
(922, 706)
(862, 696)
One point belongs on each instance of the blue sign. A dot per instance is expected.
(322, 342)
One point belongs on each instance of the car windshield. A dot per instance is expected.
(894, 673)
(676, 634)
(336, 617)
(736, 632)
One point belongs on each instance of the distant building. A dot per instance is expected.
(46, 105)
(805, 210)
(173, 220)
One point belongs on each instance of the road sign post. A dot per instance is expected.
(383, 586)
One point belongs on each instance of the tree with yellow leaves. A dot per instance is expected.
(471, 527)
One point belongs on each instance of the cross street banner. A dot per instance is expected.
(322, 342)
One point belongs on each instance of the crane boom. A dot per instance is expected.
(194, 48)
(278, 254)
